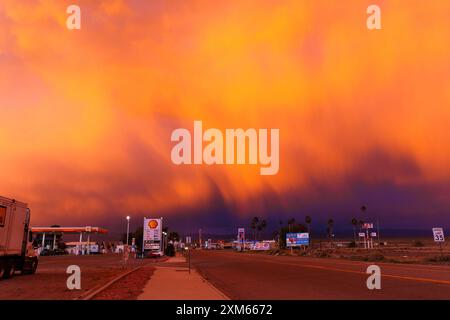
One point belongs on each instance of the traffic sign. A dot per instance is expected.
(438, 235)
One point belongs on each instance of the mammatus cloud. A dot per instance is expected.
(87, 115)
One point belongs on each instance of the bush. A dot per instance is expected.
(376, 257)
(439, 259)
(418, 244)
(170, 250)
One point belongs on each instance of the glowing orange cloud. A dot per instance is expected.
(87, 115)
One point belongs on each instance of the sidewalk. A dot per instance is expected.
(175, 283)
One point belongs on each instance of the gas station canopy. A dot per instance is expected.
(69, 230)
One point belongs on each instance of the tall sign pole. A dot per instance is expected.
(143, 238)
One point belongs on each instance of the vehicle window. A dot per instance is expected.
(2, 216)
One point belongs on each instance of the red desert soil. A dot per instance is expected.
(129, 287)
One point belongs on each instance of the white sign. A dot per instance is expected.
(188, 239)
(438, 234)
(373, 234)
(362, 235)
(152, 233)
(260, 246)
(241, 234)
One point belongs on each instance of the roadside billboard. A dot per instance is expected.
(297, 239)
(260, 246)
(152, 233)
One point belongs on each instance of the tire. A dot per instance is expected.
(9, 270)
(2, 270)
(30, 266)
(34, 265)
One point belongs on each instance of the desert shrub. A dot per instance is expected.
(439, 259)
(418, 244)
(322, 253)
(376, 257)
(352, 244)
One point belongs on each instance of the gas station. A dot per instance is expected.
(54, 231)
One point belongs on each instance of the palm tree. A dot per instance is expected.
(363, 209)
(330, 230)
(361, 223)
(354, 224)
(262, 225)
(254, 225)
(291, 222)
(308, 221)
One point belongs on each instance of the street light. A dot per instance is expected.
(128, 228)
(164, 241)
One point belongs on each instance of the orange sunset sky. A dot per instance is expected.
(364, 116)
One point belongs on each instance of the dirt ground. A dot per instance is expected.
(414, 251)
(49, 282)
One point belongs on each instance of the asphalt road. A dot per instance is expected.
(260, 276)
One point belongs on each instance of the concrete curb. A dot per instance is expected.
(93, 292)
(225, 297)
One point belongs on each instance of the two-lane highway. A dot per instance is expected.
(260, 276)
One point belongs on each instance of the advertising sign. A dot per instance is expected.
(152, 229)
(297, 239)
(152, 233)
(260, 246)
(438, 235)
(367, 226)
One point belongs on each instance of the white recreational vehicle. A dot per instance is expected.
(16, 252)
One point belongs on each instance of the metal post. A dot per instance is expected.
(89, 243)
(81, 244)
(128, 229)
(143, 237)
(54, 241)
(189, 259)
(367, 237)
(378, 232)
(43, 240)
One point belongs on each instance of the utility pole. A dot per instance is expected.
(200, 237)
(378, 231)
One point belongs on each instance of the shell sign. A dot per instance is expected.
(153, 224)
(152, 229)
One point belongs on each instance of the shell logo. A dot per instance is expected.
(153, 224)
